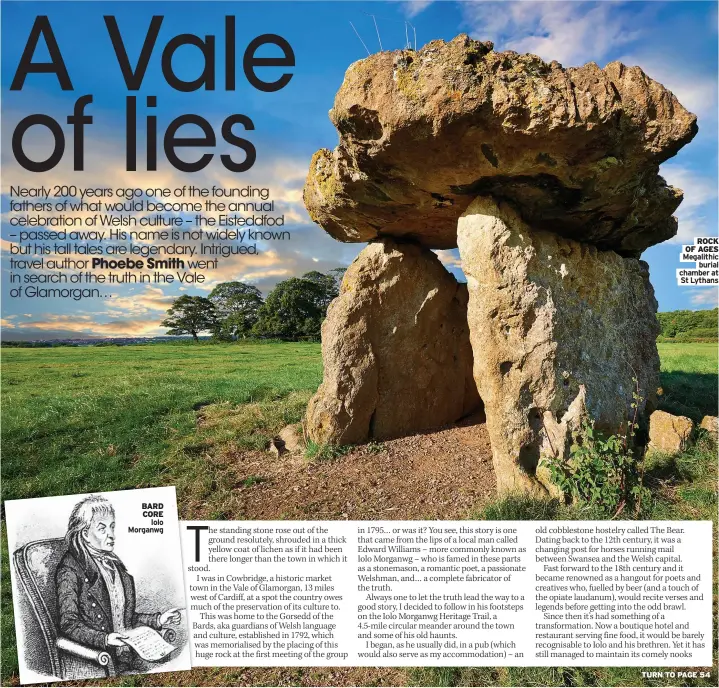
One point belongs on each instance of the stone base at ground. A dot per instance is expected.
(559, 329)
(395, 349)
(669, 434)
(710, 424)
(291, 435)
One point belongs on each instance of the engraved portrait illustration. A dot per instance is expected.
(85, 610)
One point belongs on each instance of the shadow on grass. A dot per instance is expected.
(689, 466)
(690, 394)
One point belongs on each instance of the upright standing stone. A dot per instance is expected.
(395, 348)
(562, 328)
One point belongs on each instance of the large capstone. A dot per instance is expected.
(395, 349)
(565, 331)
(576, 151)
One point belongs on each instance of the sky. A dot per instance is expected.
(674, 42)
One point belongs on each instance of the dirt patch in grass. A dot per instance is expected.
(434, 475)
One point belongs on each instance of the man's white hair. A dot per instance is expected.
(83, 513)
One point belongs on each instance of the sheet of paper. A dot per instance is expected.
(148, 643)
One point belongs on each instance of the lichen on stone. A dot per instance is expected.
(412, 124)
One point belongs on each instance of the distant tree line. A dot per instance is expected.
(12, 344)
(293, 310)
(688, 326)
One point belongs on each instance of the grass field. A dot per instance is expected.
(106, 418)
(84, 419)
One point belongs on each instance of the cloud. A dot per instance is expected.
(53, 326)
(309, 249)
(700, 192)
(105, 166)
(449, 258)
(150, 300)
(708, 296)
(571, 32)
(413, 7)
(135, 308)
(698, 189)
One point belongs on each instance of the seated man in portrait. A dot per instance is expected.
(95, 593)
